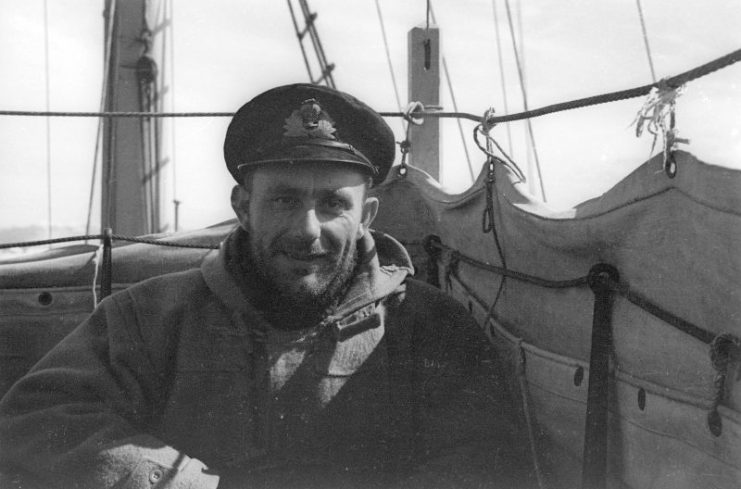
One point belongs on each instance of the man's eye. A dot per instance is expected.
(285, 202)
(335, 204)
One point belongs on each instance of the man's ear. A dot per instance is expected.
(370, 209)
(241, 203)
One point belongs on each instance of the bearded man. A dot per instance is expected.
(299, 355)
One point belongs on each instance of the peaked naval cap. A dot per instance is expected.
(308, 123)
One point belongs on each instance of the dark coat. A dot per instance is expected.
(178, 381)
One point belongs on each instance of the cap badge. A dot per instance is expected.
(309, 121)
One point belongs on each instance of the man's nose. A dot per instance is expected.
(307, 225)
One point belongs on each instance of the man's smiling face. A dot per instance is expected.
(303, 222)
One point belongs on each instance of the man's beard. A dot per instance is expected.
(297, 296)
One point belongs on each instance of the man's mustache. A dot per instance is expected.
(302, 250)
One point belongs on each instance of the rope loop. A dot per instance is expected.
(488, 150)
(724, 349)
(404, 147)
(487, 220)
(413, 108)
(488, 120)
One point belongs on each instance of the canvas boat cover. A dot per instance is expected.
(674, 242)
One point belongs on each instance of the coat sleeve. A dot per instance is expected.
(467, 432)
(78, 419)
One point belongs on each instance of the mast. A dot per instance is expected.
(130, 189)
(423, 44)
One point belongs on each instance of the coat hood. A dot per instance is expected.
(382, 267)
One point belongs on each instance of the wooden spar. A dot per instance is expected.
(130, 172)
(423, 47)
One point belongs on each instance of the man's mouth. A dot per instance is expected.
(305, 257)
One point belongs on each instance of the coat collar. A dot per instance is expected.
(383, 267)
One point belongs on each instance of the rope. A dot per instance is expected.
(724, 349)
(553, 284)
(97, 255)
(645, 41)
(115, 237)
(658, 116)
(433, 248)
(114, 114)
(455, 103)
(509, 163)
(103, 102)
(300, 41)
(520, 72)
(47, 91)
(503, 82)
(488, 220)
(458, 121)
(106, 277)
(681, 324)
(674, 81)
(427, 15)
(173, 129)
(529, 424)
(620, 288)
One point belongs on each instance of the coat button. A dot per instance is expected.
(155, 476)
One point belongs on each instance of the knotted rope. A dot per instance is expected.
(724, 349)
(657, 116)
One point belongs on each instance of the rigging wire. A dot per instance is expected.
(103, 102)
(673, 82)
(645, 40)
(427, 15)
(388, 60)
(502, 80)
(173, 145)
(325, 67)
(300, 41)
(452, 97)
(529, 143)
(47, 91)
(524, 99)
(109, 166)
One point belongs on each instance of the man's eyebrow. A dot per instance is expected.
(282, 188)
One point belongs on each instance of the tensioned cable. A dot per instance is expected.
(47, 91)
(529, 151)
(672, 82)
(116, 237)
(173, 148)
(524, 100)
(452, 98)
(503, 82)
(645, 41)
(103, 97)
(427, 14)
(115, 114)
(388, 59)
(300, 41)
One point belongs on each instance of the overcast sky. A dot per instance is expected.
(227, 51)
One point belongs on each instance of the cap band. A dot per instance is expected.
(272, 153)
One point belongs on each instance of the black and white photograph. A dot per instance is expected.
(370, 244)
